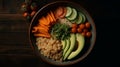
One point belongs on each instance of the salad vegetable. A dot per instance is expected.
(62, 29)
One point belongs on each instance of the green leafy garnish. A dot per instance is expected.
(60, 31)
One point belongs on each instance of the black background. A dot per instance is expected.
(106, 17)
(105, 14)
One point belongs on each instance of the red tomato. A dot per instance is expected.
(83, 33)
(33, 13)
(87, 25)
(25, 14)
(74, 25)
(85, 30)
(73, 30)
(82, 26)
(88, 34)
(79, 30)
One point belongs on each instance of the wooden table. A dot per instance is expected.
(15, 48)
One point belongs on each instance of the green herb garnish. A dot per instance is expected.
(60, 31)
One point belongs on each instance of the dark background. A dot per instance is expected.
(15, 48)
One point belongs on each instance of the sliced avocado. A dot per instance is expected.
(73, 15)
(69, 11)
(67, 46)
(63, 44)
(81, 41)
(72, 44)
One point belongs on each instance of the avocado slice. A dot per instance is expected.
(63, 44)
(72, 44)
(81, 41)
(67, 46)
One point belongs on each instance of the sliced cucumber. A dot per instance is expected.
(69, 11)
(74, 21)
(73, 15)
(79, 18)
(83, 17)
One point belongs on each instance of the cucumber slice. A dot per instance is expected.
(73, 15)
(83, 17)
(79, 18)
(69, 11)
(74, 21)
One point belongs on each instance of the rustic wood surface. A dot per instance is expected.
(15, 49)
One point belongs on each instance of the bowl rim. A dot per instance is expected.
(89, 49)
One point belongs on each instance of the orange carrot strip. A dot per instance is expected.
(48, 19)
(42, 35)
(52, 15)
(34, 29)
(42, 29)
(51, 19)
(44, 21)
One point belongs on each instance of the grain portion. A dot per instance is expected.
(50, 47)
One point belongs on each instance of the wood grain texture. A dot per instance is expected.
(13, 29)
(16, 50)
(10, 6)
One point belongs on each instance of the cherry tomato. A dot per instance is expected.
(74, 25)
(82, 26)
(83, 33)
(87, 25)
(88, 34)
(33, 13)
(85, 30)
(25, 14)
(79, 30)
(73, 30)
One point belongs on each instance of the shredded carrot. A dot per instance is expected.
(42, 35)
(34, 29)
(44, 24)
(43, 21)
(41, 29)
(47, 17)
(52, 15)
